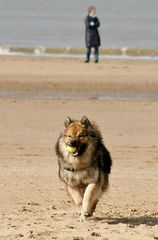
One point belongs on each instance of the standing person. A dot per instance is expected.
(92, 38)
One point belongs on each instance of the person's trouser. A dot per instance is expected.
(96, 54)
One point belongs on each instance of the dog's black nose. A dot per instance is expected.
(73, 142)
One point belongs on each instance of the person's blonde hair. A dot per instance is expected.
(90, 9)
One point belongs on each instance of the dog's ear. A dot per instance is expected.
(85, 121)
(67, 122)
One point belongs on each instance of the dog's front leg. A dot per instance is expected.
(90, 199)
(76, 194)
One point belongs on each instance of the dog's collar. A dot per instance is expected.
(74, 170)
(70, 169)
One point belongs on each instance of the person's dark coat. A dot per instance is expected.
(92, 38)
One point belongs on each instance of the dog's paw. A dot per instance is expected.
(82, 218)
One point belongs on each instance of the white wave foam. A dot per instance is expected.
(4, 50)
(41, 52)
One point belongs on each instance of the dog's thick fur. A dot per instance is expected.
(85, 172)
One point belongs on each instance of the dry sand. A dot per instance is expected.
(33, 202)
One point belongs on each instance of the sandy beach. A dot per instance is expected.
(33, 201)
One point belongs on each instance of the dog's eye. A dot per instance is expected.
(81, 135)
(69, 136)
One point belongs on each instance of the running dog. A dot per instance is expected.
(84, 163)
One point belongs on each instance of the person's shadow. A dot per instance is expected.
(132, 221)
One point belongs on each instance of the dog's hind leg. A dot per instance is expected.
(76, 194)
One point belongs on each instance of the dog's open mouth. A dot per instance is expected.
(76, 151)
(72, 150)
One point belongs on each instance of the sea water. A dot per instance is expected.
(51, 23)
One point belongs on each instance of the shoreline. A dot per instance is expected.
(79, 53)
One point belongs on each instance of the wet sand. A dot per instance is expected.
(33, 202)
(108, 76)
